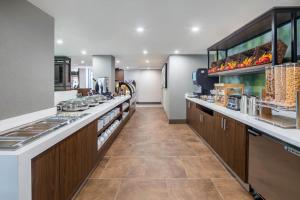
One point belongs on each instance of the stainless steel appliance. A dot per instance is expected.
(202, 82)
(274, 167)
(244, 104)
(252, 106)
(233, 102)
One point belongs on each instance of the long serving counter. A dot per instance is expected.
(16, 166)
(291, 136)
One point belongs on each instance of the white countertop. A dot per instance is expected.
(291, 136)
(45, 142)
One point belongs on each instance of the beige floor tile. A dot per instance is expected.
(124, 167)
(230, 189)
(164, 167)
(154, 160)
(201, 189)
(98, 189)
(203, 167)
(99, 169)
(143, 190)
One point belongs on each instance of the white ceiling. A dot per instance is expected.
(107, 27)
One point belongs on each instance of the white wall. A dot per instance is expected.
(148, 84)
(180, 68)
(64, 96)
(83, 78)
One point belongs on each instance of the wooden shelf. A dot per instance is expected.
(247, 70)
(109, 124)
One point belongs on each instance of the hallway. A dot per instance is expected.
(153, 160)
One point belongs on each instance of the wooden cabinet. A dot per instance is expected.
(230, 143)
(45, 175)
(78, 154)
(58, 172)
(226, 136)
(193, 116)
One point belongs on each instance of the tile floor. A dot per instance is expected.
(153, 160)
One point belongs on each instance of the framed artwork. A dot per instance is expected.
(164, 76)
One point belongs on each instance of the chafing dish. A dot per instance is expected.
(15, 138)
(75, 105)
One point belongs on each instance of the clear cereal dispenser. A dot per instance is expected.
(292, 83)
(280, 84)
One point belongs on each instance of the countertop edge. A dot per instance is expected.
(35, 148)
(290, 136)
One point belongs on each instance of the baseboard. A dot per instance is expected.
(148, 103)
(177, 121)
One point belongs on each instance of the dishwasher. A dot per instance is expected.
(274, 167)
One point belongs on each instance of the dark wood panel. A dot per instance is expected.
(77, 157)
(45, 175)
(241, 142)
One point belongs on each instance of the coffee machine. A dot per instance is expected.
(202, 82)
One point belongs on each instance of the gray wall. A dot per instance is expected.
(26, 58)
(180, 68)
(104, 66)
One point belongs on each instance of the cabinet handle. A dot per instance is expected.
(224, 124)
(200, 118)
(292, 150)
(253, 133)
(222, 121)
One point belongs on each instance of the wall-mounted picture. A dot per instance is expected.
(164, 75)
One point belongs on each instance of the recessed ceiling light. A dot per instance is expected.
(59, 41)
(145, 52)
(195, 29)
(82, 62)
(83, 52)
(147, 61)
(176, 52)
(117, 61)
(140, 29)
(127, 67)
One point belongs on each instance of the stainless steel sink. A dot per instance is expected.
(18, 137)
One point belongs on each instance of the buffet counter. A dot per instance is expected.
(291, 136)
(15, 166)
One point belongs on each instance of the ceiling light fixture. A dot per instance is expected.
(82, 62)
(145, 52)
(195, 29)
(147, 61)
(117, 61)
(83, 52)
(140, 29)
(59, 41)
(127, 67)
(176, 52)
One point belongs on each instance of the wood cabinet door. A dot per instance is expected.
(228, 140)
(77, 157)
(45, 175)
(209, 128)
(240, 151)
(218, 136)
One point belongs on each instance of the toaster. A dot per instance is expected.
(233, 102)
